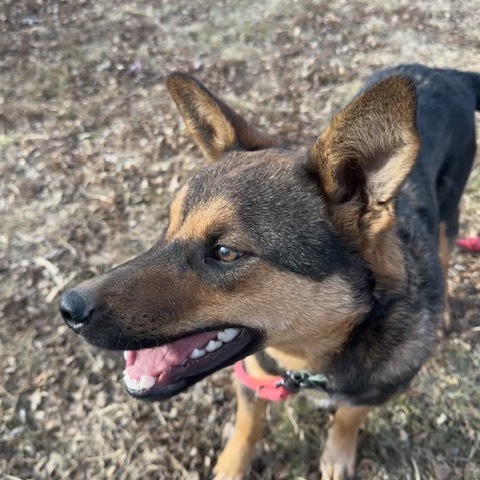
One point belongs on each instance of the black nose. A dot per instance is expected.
(75, 308)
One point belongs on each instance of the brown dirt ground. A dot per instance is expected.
(92, 150)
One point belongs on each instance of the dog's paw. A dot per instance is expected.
(227, 476)
(234, 462)
(332, 470)
(338, 460)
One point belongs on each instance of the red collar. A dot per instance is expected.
(270, 389)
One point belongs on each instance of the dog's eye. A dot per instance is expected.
(226, 254)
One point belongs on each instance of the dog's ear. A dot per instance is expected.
(215, 127)
(365, 154)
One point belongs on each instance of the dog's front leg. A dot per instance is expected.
(234, 461)
(338, 457)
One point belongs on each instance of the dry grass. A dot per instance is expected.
(92, 150)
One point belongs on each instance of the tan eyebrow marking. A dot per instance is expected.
(200, 219)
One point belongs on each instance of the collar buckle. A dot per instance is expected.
(295, 381)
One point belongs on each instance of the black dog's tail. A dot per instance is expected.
(473, 79)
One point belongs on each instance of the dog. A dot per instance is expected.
(327, 260)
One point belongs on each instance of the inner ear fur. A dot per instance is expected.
(215, 127)
(361, 160)
(365, 154)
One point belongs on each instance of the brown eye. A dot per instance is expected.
(226, 254)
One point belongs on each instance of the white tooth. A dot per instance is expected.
(213, 345)
(147, 382)
(125, 354)
(228, 334)
(131, 383)
(197, 353)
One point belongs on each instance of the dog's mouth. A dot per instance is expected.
(161, 372)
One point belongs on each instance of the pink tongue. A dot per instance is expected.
(154, 361)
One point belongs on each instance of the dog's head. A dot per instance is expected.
(265, 246)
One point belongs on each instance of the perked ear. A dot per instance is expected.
(365, 154)
(215, 127)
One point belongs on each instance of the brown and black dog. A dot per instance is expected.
(329, 260)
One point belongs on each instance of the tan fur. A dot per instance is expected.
(363, 158)
(444, 250)
(385, 258)
(339, 454)
(200, 220)
(254, 369)
(176, 212)
(285, 312)
(235, 459)
(338, 457)
(377, 126)
(203, 117)
(291, 360)
(214, 126)
(381, 249)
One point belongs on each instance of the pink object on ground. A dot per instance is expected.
(472, 243)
